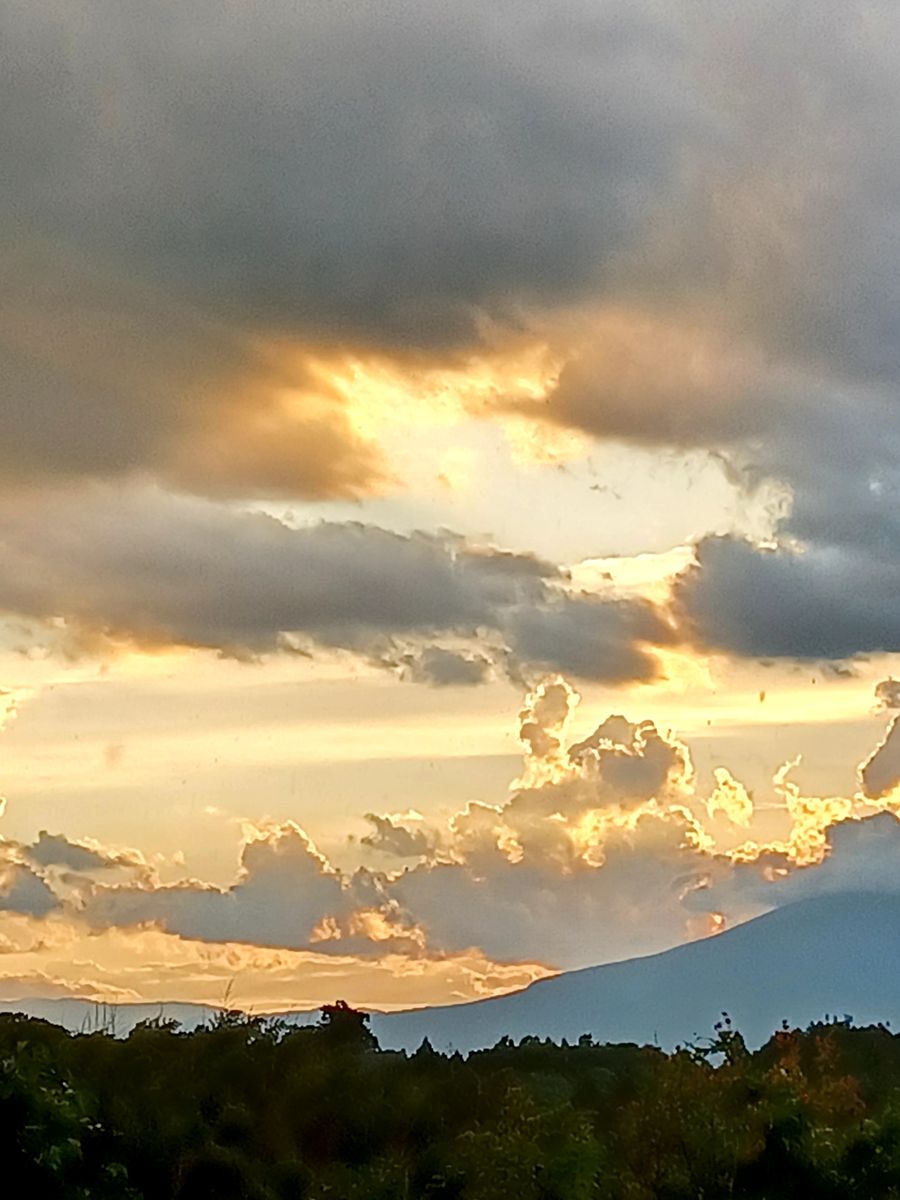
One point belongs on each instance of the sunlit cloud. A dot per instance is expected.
(603, 843)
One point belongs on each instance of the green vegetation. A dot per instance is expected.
(249, 1109)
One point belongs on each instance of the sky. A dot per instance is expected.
(449, 464)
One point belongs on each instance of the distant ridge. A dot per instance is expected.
(88, 1016)
(837, 955)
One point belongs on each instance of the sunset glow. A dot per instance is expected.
(449, 474)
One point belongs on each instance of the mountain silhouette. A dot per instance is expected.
(836, 955)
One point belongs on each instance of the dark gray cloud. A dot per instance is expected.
(701, 205)
(154, 568)
(439, 667)
(188, 190)
(55, 850)
(760, 323)
(591, 638)
(819, 602)
(386, 171)
(157, 567)
(22, 890)
(880, 773)
(399, 841)
(768, 293)
(104, 376)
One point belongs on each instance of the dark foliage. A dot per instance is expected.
(250, 1109)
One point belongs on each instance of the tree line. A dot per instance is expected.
(248, 1108)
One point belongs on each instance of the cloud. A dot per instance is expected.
(633, 760)
(283, 890)
(39, 985)
(196, 239)
(590, 638)
(111, 377)
(772, 273)
(816, 602)
(189, 229)
(861, 855)
(591, 853)
(61, 956)
(22, 890)
(605, 847)
(391, 837)
(730, 798)
(432, 166)
(880, 773)
(629, 903)
(759, 324)
(55, 850)
(440, 667)
(887, 693)
(144, 566)
(545, 718)
(656, 380)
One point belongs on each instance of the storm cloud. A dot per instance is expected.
(818, 602)
(197, 200)
(155, 569)
(384, 172)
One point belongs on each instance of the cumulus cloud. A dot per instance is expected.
(391, 836)
(68, 864)
(148, 567)
(628, 903)
(634, 760)
(593, 841)
(605, 847)
(730, 798)
(23, 890)
(283, 890)
(544, 720)
(860, 855)
(54, 849)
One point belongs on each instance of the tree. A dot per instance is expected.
(343, 1027)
